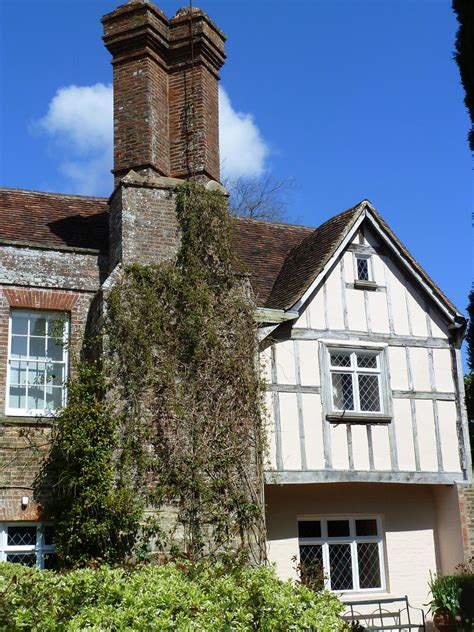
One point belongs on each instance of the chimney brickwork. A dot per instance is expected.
(165, 91)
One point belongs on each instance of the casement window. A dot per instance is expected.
(356, 381)
(37, 362)
(30, 544)
(363, 267)
(349, 550)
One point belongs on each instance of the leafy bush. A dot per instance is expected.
(455, 593)
(174, 596)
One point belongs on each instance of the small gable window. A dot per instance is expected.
(363, 268)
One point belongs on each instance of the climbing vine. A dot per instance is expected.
(173, 420)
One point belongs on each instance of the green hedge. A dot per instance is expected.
(174, 596)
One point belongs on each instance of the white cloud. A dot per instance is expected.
(79, 121)
(243, 149)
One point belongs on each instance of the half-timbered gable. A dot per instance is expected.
(363, 383)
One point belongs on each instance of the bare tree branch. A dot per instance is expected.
(259, 198)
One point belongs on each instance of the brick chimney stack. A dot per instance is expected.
(165, 91)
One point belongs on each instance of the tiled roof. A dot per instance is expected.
(308, 259)
(53, 219)
(263, 247)
(282, 259)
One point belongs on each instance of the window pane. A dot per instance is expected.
(19, 348)
(17, 397)
(338, 528)
(54, 397)
(362, 269)
(311, 554)
(342, 391)
(35, 398)
(19, 323)
(37, 347)
(36, 373)
(309, 529)
(340, 567)
(37, 325)
(369, 564)
(366, 527)
(367, 361)
(27, 559)
(55, 374)
(369, 393)
(50, 561)
(56, 326)
(340, 359)
(55, 349)
(21, 536)
(48, 536)
(18, 372)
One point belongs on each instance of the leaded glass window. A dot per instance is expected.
(356, 383)
(348, 550)
(363, 268)
(29, 544)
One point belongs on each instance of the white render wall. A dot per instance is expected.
(423, 435)
(422, 530)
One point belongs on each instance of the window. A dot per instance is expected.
(363, 267)
(350, 551)
(30, 544)
(356, 381)
(37, 362)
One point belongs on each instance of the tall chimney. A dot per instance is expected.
(165, 91)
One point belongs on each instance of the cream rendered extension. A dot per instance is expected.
(367, 432)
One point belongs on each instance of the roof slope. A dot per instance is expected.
(283, 259)
(53, 219)
(263, 248)
(57, 220)
(308, 259)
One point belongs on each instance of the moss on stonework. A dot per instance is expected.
(173, 418)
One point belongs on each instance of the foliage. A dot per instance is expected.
(464, 56)
(469, 378)
(455, 593)
(445, 593)
(180, 428)
(470, 332)
(97, 515)
(174, 596)
(310, 573)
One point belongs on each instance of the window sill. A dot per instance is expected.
(358, 418)
(365, 285)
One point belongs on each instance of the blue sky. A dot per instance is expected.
(350, 99)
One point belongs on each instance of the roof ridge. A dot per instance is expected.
(271, 223)
(54, 193)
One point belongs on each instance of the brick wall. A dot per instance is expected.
(25, 441)
(143, 221)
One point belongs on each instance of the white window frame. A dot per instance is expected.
(370, 271)
(353, 540)
(328, 347)
(39, 549)
(36, 412)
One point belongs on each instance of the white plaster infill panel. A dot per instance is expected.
(290, 436)
(404, 434)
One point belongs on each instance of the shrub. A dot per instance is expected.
(173, 596)
(455, 593)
